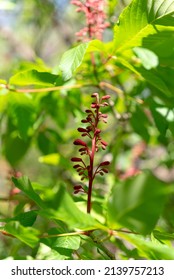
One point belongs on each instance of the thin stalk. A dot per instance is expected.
(91, 170)
(91, 175)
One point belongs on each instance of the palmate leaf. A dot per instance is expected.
(142, 19)
(136, 203)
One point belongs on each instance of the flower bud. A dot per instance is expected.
(79, 142)
(94, 94)
(104, 163)
(76, 159)
(80, 129)
(105, 97)
(104, 143)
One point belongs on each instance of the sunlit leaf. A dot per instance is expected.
(148, 58)
(51, 159)
(33, 77)
(72, 59)
(142, 19)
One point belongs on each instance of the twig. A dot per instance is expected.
(28, 90)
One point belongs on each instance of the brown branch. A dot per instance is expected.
(109, 86)
(28, 90)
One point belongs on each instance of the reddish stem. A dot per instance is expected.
(91, 169)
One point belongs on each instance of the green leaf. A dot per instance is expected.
(140, 127)
(22, 112)
(27, 235)
(133, 201)
(152, 76)
(67, 211)
(161, 46)
(148, 249)
(141, 19)
(67, 242)
(24, 184)
(51, 159)
(26, 219)
(72, 59)
(33, 77)
(11, 140)
(47, 253)
(148, 58)
(47, 141)
(160, 121)
(163, 235)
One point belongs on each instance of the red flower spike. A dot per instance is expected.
(76, 159)
(105, 97)
(79, 142)
(88, 171)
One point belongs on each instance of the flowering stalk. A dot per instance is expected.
(94, 116)
(95, 19)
